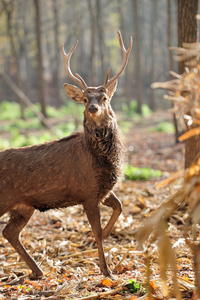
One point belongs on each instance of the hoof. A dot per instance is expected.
(34, 276)
(111, 276)
(107, 273)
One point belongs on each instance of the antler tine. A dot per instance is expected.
(107, 77)
(124, 62)
(79, 80)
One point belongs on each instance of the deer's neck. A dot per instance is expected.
(103, 141)
(104, 145)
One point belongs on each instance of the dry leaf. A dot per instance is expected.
(189, 134)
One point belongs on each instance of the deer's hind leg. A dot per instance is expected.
(113, 202)
(3, 210)
(19, 217)
(5, 205)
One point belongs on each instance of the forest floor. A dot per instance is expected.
(63, 245)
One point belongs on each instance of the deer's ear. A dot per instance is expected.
(73, 92)
(112, 89)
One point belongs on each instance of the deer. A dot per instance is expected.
(80, 169)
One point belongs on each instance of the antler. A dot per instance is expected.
(78, 79)
(124, 62)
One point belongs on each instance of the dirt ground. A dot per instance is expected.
(62, 243)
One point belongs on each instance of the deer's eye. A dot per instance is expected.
(85, 100)
(104, 98)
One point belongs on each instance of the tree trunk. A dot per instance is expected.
(171, 64)
(128, 78)
(138, 66)
(152, 61)
(40, 59)
(93, 42)
(187, 24)
(9, 10)
(57, 53)
(100, 37)
(187, 33)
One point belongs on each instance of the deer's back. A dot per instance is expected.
(50, 175)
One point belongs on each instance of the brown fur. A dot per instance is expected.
(82, 169)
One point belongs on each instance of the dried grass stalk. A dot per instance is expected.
(185, 93)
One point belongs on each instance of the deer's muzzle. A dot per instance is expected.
(93, 109)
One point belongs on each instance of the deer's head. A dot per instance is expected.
(95, 99)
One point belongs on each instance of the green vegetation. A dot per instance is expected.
(146, 111)
(17, 139)
(16, 132)
(130, 114)
(134, 286)
(125, 126)
(135, 173)
(9, 110)
(166, 127)
(131, 110)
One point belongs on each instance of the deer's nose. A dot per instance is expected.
(93, 108)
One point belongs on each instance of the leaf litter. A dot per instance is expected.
(63, 245)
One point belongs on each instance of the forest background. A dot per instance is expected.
(32, 32)
(32, 71)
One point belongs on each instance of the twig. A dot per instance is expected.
(25, 99)
(102, 294)
(15, 280)
(123, 258)
(95, 250)
(83, 252)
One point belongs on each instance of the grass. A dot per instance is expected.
(135, 173)
(131, 110)
(166, 127)
(16, 132)
(18, 139)
(20, 132)
(11, 111)
(125, 126)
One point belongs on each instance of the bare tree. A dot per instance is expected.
(100, 37)
(93, 41)
(187, 33)
(40, 58)
(187, 24)
(127, 84)
(171, 62)
(152, 54)
(9, 8)
(138, 77)
(57, 50)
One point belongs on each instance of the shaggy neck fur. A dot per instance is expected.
(104, 144)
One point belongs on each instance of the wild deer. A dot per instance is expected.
(82, 168)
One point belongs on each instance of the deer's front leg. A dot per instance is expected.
(19, 217)
(93, 215)
(115, 203)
